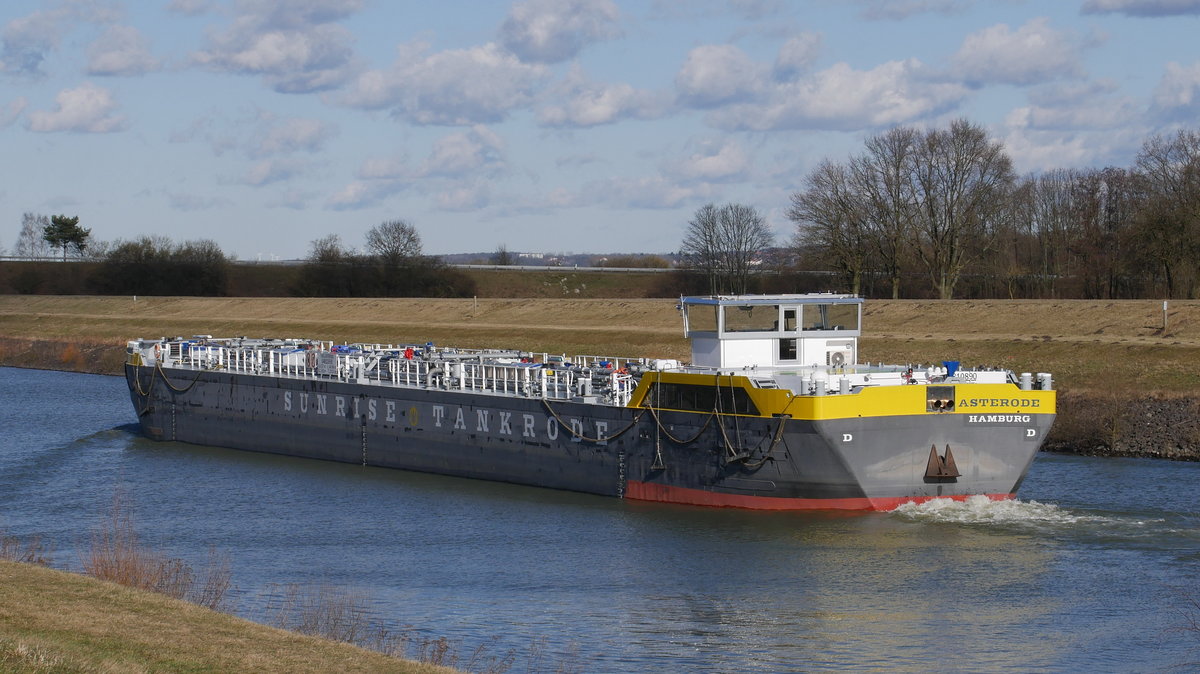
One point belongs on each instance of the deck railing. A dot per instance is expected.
(587, 378)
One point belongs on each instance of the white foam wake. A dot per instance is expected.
(983, 510)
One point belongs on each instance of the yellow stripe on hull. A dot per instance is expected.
(887, 401)
(870, 401)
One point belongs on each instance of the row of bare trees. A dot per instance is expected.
(946, 205)
(393, 265)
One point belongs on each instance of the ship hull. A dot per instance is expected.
(775, 462)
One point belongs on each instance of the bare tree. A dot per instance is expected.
(30, 242)
(884, 181)
(962, 179)
(1170, 219)
(831, 215)
(327, 249)
(725, 243)
(394, 242)
(502, 256)
(1052, 216)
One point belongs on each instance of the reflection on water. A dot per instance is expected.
(1083, 572)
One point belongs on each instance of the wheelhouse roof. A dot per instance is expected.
(757, 300)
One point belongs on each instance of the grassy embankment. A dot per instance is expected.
(1091, 347)
(54, 621)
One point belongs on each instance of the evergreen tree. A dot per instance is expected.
(64, 232)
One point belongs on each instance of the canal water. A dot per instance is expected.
(1095, 567)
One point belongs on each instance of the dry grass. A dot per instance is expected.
(116, 555)
(30, 551)
(62, 622)
(1088, 345)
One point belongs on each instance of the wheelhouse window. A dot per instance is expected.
(751, 318)
(789, 320)
(787, 348)
(702, 317)
(830, 317)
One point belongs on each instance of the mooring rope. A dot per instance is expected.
(137, 382)
(159, 369)
(636, 419)
(672, 438)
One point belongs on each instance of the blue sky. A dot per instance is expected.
(544, 126)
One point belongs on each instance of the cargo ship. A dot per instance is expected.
(774, 411)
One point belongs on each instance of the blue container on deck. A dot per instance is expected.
(951, 367)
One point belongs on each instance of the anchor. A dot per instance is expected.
(941, 468)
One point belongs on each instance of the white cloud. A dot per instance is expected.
(191, 7)
(293, 199)
(586, 103)
(757, 9)
(1078, 117)
(1177, 95)
(465, 152)
(275, 170)
(897, 10)
(1034, 151)
(1033, 53)
(121, 50)
(551, 31)
(84, 109)
(384, 168)
(1090, 105)
(476, 151)
(456, 87)
(258, 136)
(714, 162)
(840, 97)
(1147, 8)
(650, 192)
(294, 44)
(10, 112)
(797, 55)
(362, 194)
(469, 196)
(291, 135)
(714, 75)
(29, 39)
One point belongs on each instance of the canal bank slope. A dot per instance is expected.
(1127, 382)
(55, 621)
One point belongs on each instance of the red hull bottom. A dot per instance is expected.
(646, 491)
